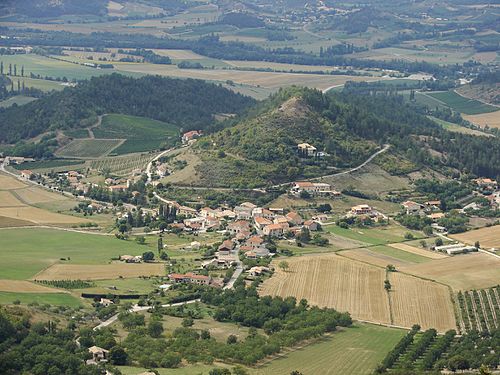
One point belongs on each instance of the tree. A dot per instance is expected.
(439, 242)
(423, 244)
(304, 194)
(220, 371)
(427, 230)
(296, 372)
(409, 236)
(390, 268)
(283, 265)
(141, 240)
(148, 256)
(477, 245)
(118, 355)
(238, 370)
(160, 244)
(122, 228)
(458, 362)
(304, 235)
(232, 339)
(155, 328)
(387, 285)
(325, 207)
(187, 322)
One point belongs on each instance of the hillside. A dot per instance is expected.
(187, 104)
(261, 148)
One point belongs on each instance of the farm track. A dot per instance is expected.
(492, 307)
(467, 311)
(98, 123)
(458, 309)
(474, 310)
(495, 291)
(483, 308)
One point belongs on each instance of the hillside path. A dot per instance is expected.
(97, 124)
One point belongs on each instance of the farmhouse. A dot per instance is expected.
(238, 227)
(261, 222)
(311, 225)
(305, 150)
(257, 270)
(361, 209)
(275, 230)
(254, 242)
(117, 188)
(186, 211)
(190, 278)
(27, 174)
(314, 189)
(191, 136)
(412, 208)
(98, 354)
(294, 218)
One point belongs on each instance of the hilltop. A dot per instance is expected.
(261, 147)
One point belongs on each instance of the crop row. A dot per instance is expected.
(480, 309)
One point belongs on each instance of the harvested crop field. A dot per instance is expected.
(21, 286)
(34, 195)
(492, 119)
(100, 272)
(367, 256)
(487, 237)
(333, 281)
(8, 183)
(9, 222)
(7, 199)
(417, 251)
(39, 216)
(414, 300)
(461, 272)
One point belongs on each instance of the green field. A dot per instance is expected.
(122, 165)
(88, 148)
(461, 104)
(121, 286)
(77, 133)
(18, 99)
(457, 128)
(47, 164)
(399, 254)
(372, 236)
(142, 134)
(58, 299)
(41, 84)
(352, 351)
(25, 252)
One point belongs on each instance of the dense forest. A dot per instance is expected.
(189, 104)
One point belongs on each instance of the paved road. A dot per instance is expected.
(137, 308)
(149, 173)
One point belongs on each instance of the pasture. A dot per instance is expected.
(37, 249)
(373, 236)
(488, 237)
(41, 84)
(414, 300)
(418, 251)
(461, 272)
(371, 257)
(100, 272)
(492, 119)
(461, 129)
(141, 134)
(88, 148)
(399, 254)
(333, 281)
(462, 104)
(18, 99)
(356, 350)
(56, 299)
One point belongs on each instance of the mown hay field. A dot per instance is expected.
(492, 119)
(22, 286)
(35, 195)
(488, 237)
(9, 183)
(89, 148)
(427, 303)
(358, 288)
(55, 299)
(100, 272)
(333, 281)
(371, 257)
(461, 272)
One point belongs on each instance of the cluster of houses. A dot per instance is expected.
(430, 209)
(366, 211)
(314, 189)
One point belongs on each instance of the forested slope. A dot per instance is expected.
(189, 104)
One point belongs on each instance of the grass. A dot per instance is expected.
(461, 104)
(123, 286)
(41, 84)
(18, 99)
(372, 236)
(25, 252)
(58, 299)
(122, 165)
(399, 254)
(457, 128)
(142, 134)
(355, 350)
(195, 369)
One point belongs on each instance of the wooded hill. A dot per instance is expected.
(261, 149)
(189, 104)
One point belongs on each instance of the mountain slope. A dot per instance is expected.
(189, 104)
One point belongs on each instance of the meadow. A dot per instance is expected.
(366, 347)
(88, 148)
(373, 236)
(18, 99)
(37, 249)
(459, 129)
(56, 299)
(462, 104)
(141, 134)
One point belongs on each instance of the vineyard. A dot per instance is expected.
(122, 165)
(67, 284)
(88, 148)
(479, 309)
